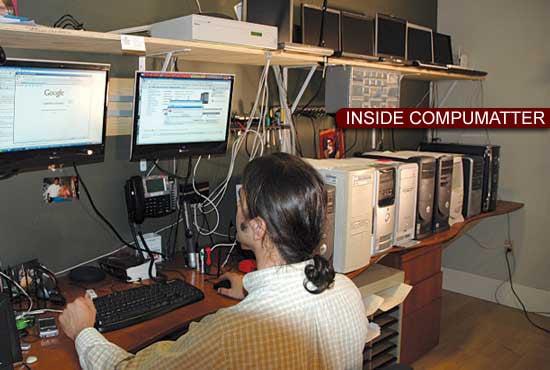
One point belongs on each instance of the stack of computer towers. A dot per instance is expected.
(490, 155)
(425, 187)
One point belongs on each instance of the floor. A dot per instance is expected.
(477, 334)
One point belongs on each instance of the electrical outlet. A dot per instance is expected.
(509, 245)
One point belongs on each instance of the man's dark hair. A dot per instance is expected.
(290, 196)
(56, 179)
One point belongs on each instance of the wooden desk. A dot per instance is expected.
(59, 352)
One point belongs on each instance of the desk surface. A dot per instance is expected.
(59, 352)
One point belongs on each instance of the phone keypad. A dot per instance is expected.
(158, 206)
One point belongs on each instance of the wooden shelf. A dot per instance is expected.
(503, 207)
(57, 39)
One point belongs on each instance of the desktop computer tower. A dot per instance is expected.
(10, 349)
(384, 201)
(473, 185)
(327, 244)
(425, 187)
(406, 193)
(383, 221)
(352, 212)
(443, 190)
(457, 191)
(491, 166)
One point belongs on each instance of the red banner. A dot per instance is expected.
(443, 118)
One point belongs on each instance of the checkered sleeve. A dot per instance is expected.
(198, 349)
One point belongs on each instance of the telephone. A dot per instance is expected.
(150, 196)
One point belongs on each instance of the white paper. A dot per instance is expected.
(372, 303)
(373, 331)
(394, 296)
(132, 43)
(140, 272)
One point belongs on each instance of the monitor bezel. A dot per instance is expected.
(421, 28)
(38, 159)
(391, 18)
(176, 150)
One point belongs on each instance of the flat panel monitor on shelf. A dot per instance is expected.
(357, 35)
(278, 13)
(443, 51)
(52, 113)
(179, 114)
(311, 27)
(419, 43)
(391, 35)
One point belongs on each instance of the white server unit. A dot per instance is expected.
(353, 220)
(197, 27)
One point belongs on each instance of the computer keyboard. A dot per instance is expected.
(121, 309)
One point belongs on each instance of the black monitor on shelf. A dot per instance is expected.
(419, 43)
(357, 35)
(391, 33)
(52, 113)
(178, 114)
(443, 51)
(311, 27)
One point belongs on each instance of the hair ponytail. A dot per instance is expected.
(319, 275)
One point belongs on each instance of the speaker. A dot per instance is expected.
(10, 348)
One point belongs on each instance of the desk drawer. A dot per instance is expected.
(423, 293)
(422, 266)
(420, 332)
(418, 264)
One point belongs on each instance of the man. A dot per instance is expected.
(53, 190)
(295, 312)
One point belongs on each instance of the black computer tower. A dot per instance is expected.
(491, 167)
(426, 187)
(473, 185)
(10, 349)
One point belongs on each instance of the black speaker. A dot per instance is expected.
(10, 348)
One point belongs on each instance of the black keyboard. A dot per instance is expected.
(121, 309)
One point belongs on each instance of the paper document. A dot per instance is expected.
(394, 296)
(373, 331)
(372, 303)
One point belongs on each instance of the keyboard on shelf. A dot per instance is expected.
(128, 307)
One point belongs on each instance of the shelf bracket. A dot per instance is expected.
(303, 88)
(447, 94)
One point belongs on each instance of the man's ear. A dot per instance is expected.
(259, 228)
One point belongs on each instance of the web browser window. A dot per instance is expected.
(178, 108)
(45, 107)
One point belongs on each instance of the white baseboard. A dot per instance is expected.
(535, 300)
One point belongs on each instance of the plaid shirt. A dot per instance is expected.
(279, 325)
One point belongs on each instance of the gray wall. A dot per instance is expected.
(66, 234)
(509, 39)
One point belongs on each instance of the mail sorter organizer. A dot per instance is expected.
(383, 291)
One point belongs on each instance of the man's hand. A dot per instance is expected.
(236, 291)
(78, 316)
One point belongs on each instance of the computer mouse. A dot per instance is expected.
(222, 284)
